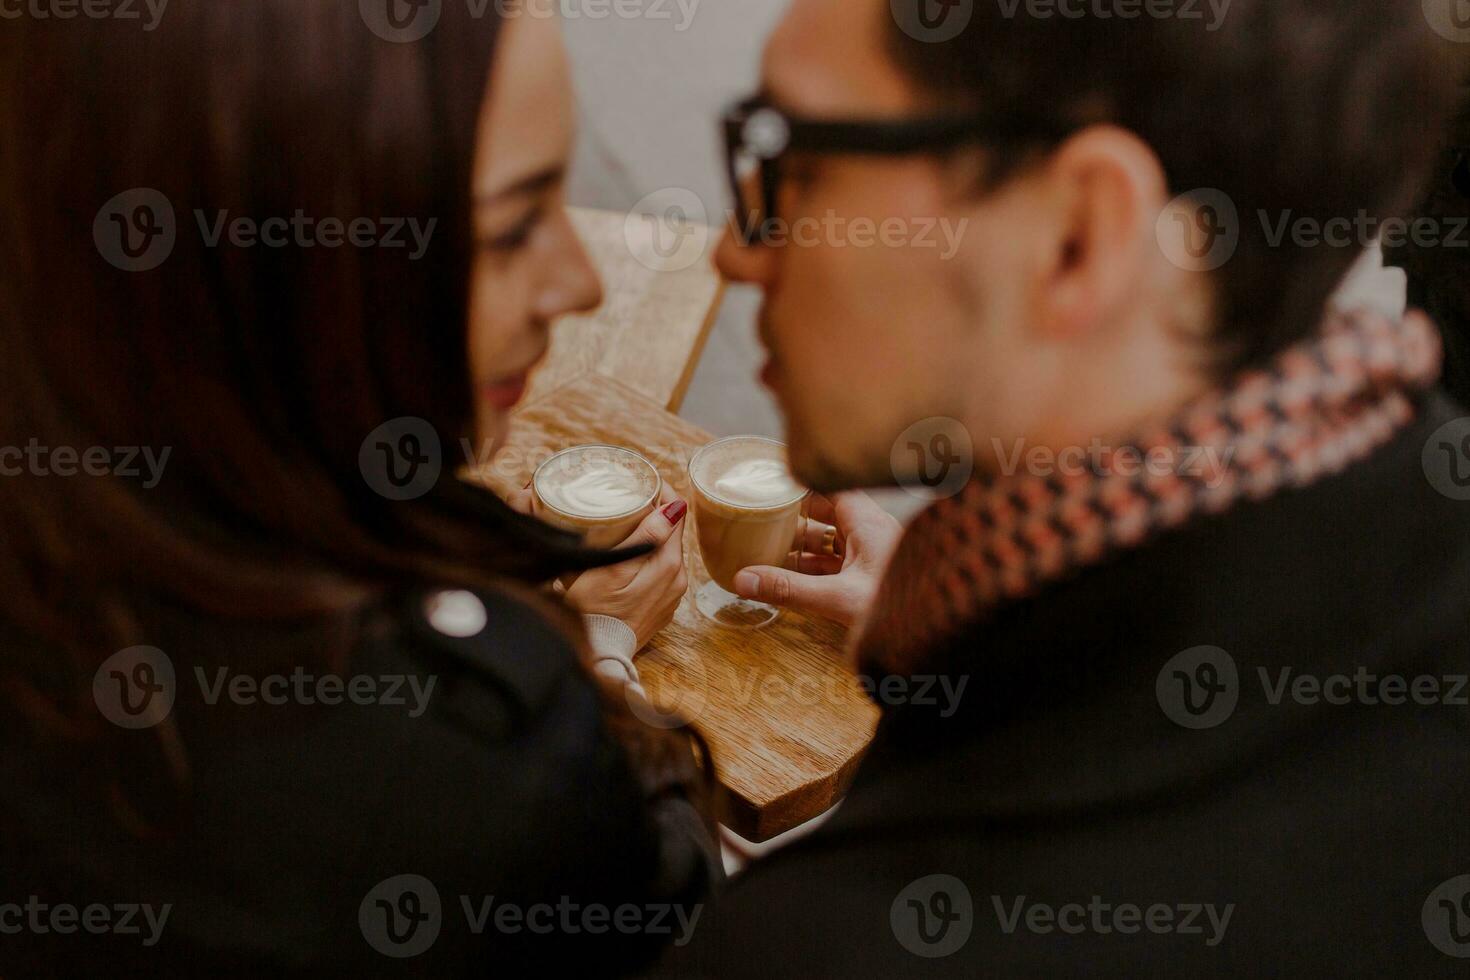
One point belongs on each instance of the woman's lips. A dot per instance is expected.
(505, 393)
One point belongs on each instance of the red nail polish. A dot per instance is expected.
(674, 513)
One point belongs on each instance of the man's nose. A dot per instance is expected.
(754, 263)
(742, 255)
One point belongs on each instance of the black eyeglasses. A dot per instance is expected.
(758, 136)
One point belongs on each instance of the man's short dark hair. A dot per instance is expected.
(1314, 109)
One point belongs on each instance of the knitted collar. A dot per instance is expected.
(1317, 408)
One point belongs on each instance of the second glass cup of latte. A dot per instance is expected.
(601, 492)
(747, 511)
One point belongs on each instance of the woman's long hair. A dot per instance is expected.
(259, 370)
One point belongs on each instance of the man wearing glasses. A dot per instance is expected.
(1201, 547)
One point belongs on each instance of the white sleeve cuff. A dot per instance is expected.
(613, 644)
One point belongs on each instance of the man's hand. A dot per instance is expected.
(838, 586)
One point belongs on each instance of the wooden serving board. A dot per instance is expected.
(784, 717)
(652, 324)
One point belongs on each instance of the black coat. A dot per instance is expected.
(1333, 833)
(286, 859)
(1438, 267)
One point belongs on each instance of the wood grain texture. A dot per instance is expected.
(652, 325)
(784, 717)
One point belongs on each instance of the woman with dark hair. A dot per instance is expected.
(275, 702)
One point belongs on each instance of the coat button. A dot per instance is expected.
(456, 613)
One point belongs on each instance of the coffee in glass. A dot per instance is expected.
(747, 511)
(600, 492)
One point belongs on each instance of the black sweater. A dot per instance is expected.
(501, 787)
(1083, 831)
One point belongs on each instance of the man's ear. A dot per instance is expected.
(1105, 187)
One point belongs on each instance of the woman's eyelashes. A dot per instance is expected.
(513, 238)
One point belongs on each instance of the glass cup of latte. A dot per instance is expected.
(747, 511)
(600, 492)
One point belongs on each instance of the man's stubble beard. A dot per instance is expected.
(820, 472)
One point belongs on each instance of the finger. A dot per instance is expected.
(808, 563)
(672, 550)
(820, 594)
(519, 500)
(659, 526)
(669, 558)
(819, 507)
(815, 539)
(667, 497)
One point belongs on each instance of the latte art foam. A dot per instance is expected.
(756, 482)
(601, 490)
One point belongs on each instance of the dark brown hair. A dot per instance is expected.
(1319, 108)
(261, 370)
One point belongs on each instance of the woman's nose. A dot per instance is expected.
(573, 285)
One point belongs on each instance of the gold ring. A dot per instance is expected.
(829, 541)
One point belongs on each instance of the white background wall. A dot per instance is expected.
(650, 97)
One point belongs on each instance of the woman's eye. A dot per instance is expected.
(514, 237)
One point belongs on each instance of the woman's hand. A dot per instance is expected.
(644, 592)
(841, 585)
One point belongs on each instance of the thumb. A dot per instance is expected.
(658, 526)
(519, 501)
(819, 594)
